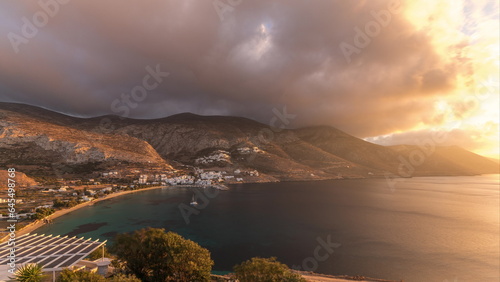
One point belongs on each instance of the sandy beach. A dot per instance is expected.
(316, 277)
(39, 223)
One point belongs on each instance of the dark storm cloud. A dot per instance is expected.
(261, 55)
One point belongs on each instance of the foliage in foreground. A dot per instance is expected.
(154, 255)
(69, 275)
(265, 270)
(123, 278)
(29, 273)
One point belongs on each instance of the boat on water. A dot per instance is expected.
(193, 201)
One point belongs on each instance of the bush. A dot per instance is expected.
(68, 275)
(42, 213)
(153, 255)
(64, 204)
(265, 270)
(123, 278)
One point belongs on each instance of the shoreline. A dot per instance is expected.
(313, 277)
(39, 223)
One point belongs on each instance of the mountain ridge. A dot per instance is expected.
(31, 136)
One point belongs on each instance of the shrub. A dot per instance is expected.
(265, 270)
(123, 278)
(64, 204)
(153, 255)
(68, 275)
(42, 213)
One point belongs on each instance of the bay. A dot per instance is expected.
(422, 229)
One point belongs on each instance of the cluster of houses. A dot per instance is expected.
(181, 180)
(225, 156)
(199, 177)
(88, 196)
(60, 189)
(110, 174)
(23, 215)
(249, 173)
(152, 179)
(204, 178)
(217, 156)
(248, 150)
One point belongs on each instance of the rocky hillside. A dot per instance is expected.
(33, 136)
(22, 180)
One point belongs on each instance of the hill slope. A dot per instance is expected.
(33, 136)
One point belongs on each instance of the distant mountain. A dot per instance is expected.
(35, 138)
(495, 160)
(39, 141)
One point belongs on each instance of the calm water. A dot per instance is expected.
(427, 229)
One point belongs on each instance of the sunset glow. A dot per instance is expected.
(409, 68)
(255, 140)
(465, 36)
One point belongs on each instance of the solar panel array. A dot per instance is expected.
(51, 252)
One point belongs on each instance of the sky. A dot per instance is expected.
(391, 72)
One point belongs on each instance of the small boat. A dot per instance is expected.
(193, 201)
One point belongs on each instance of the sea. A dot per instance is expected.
(443, 229)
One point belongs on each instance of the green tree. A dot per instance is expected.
(57, 203)
(29, 273)
(153, 255)
(68, 275)
(265, 270)
(123, 278)
(42, 213)
(64, 204)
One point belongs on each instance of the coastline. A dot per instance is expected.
(313, 277)
(111, 196)
(39, 223)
